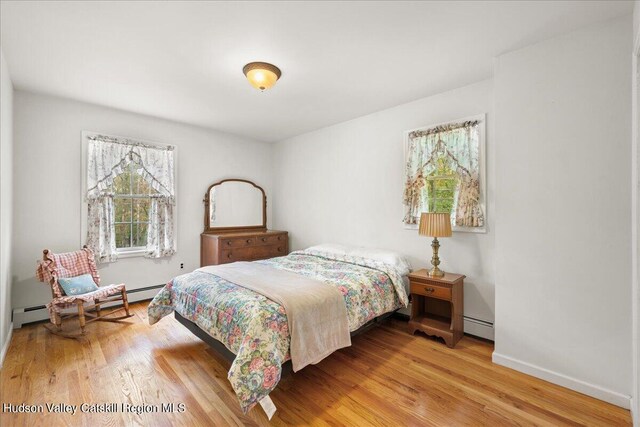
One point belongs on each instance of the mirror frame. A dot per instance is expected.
(214, 230)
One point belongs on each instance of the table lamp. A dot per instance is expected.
(435, 225)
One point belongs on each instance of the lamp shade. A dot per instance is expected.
(435, 224)
(261, 75)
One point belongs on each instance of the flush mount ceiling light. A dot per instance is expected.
(261, 75)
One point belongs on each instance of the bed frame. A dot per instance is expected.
(287, 367)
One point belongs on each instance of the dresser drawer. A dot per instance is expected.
(429, 290)
(271, 240)
(240, 242)
(253, 252)
(243, 242)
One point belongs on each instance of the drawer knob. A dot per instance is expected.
(279, 249)
(229, 242)
(279, 237)
(248, 241)
(264, 239)
(229, 256)
(429, 290)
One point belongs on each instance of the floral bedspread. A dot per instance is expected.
(255, 328)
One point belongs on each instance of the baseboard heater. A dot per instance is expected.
(38, 313)
(472, 326)
(479, 328)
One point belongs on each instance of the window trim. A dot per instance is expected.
(482, 154)
(84, 208)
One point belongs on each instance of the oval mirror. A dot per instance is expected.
(235, 204)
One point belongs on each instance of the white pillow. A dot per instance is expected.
(332, 248)
(388, 257)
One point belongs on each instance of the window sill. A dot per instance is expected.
(131, 254)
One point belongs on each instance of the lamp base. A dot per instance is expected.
(435, 260)
(435, 272)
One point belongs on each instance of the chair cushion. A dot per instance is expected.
(77, 285)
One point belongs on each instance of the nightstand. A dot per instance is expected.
(437, 305)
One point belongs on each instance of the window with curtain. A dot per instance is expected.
(444, 173)
(130, 197)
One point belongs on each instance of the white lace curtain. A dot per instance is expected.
(108, 157)
(459, 144)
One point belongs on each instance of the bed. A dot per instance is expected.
(255, 328)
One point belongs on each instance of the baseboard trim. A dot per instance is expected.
(26, 315)
(5, 345)
(575, 384)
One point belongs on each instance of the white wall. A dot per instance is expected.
(635, 198)
(344, 184)
(563, 216)
(6, 191)
(636, 20)
(47, 183)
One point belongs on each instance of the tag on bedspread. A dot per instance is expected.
(268, 406)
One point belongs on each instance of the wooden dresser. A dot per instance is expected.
(242, 246)
(235, 225)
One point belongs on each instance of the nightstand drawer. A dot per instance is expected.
(430, 290)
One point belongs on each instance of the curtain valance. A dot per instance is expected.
(108, 157)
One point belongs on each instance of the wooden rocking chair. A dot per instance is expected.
(72, 264)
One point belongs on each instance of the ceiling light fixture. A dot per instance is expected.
(261, 75)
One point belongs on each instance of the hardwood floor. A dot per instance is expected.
(387, 377)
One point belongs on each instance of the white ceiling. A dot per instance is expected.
(340, 60)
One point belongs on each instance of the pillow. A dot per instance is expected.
(332, 248)
(388, 257)
(77, 285)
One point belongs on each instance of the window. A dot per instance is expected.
(440, 189)
(444, 173)
(129, 189)
(132, 203)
